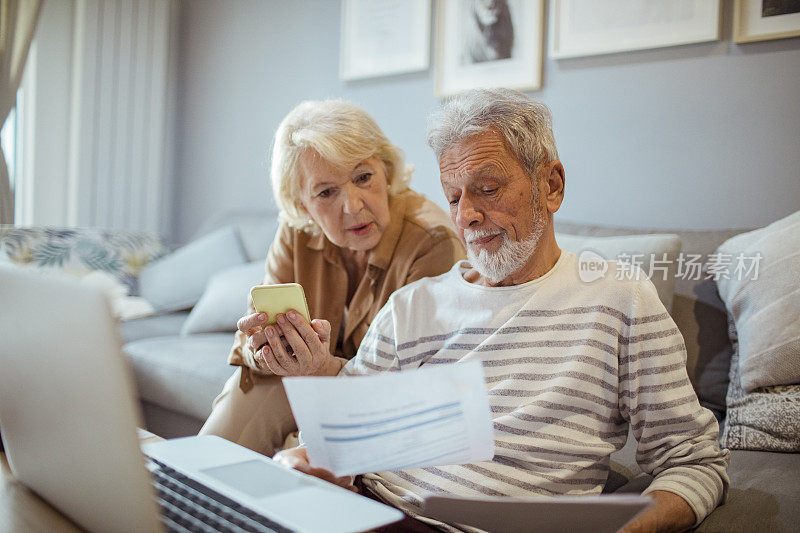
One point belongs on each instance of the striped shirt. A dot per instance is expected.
(568, 365)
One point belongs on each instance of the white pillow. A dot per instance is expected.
(766, 309)
(177, 280)
(224, 301)
(123, 307)
(648, 251)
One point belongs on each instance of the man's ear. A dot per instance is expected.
(554, 186)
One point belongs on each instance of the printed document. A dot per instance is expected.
(394, 421)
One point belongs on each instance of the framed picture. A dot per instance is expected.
(489, 43)
(383, 37)
(587, 27)
(759, 20)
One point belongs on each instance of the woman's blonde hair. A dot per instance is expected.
(343, 134)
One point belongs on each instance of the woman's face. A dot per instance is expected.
(351, 205)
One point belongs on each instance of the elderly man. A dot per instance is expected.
(569, 365)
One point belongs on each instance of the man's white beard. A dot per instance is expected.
(510, 257)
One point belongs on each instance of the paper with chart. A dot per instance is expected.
(394, 421)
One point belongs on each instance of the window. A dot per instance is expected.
(11, 141)
(8, 139)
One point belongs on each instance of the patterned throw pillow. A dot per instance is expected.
(766, 419)
(79, 251)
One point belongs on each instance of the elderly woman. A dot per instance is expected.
(351, 233)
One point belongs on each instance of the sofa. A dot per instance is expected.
(178, 353)
(764, 492)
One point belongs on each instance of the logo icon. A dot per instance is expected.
(591, 266)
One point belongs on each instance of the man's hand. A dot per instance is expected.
(669, 513)
(296, 348)
(297, 458)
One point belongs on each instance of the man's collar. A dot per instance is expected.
(381, 255)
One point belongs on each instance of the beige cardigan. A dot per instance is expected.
(418, 242)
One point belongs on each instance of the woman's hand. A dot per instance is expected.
(253, 328)
(297, 458)
(296, 348)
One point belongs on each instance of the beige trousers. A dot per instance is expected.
(260, 419)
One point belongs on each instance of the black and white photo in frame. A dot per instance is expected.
(488, 43)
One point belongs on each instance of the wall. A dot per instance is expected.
(696, 136)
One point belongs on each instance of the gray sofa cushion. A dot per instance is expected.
(764, 494)
(256, 229)
(225, 299)
(183, 374)
(152, 326)
(176, 281)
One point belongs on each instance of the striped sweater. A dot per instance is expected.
(568, 365)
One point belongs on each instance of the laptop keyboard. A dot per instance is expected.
(187, 505)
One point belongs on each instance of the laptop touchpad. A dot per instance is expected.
(257, 479)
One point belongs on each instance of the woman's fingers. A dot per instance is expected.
(323, 329)
(256, 340)
(303, 328)
(268, 359)
(298, 343)
(248, 324)
(252, 327)
(277, 349)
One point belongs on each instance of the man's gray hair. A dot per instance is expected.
(526, 124)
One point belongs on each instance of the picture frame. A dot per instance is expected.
(762, 20)
(384, 37)
(585, 28)
(482, 43)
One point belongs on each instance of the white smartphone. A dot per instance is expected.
(277, 299)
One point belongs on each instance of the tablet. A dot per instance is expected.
(604, 513)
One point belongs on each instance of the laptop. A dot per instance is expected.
(69, 416)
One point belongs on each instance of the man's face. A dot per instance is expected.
(494, 204)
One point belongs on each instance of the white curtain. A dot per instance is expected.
(17, 24)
